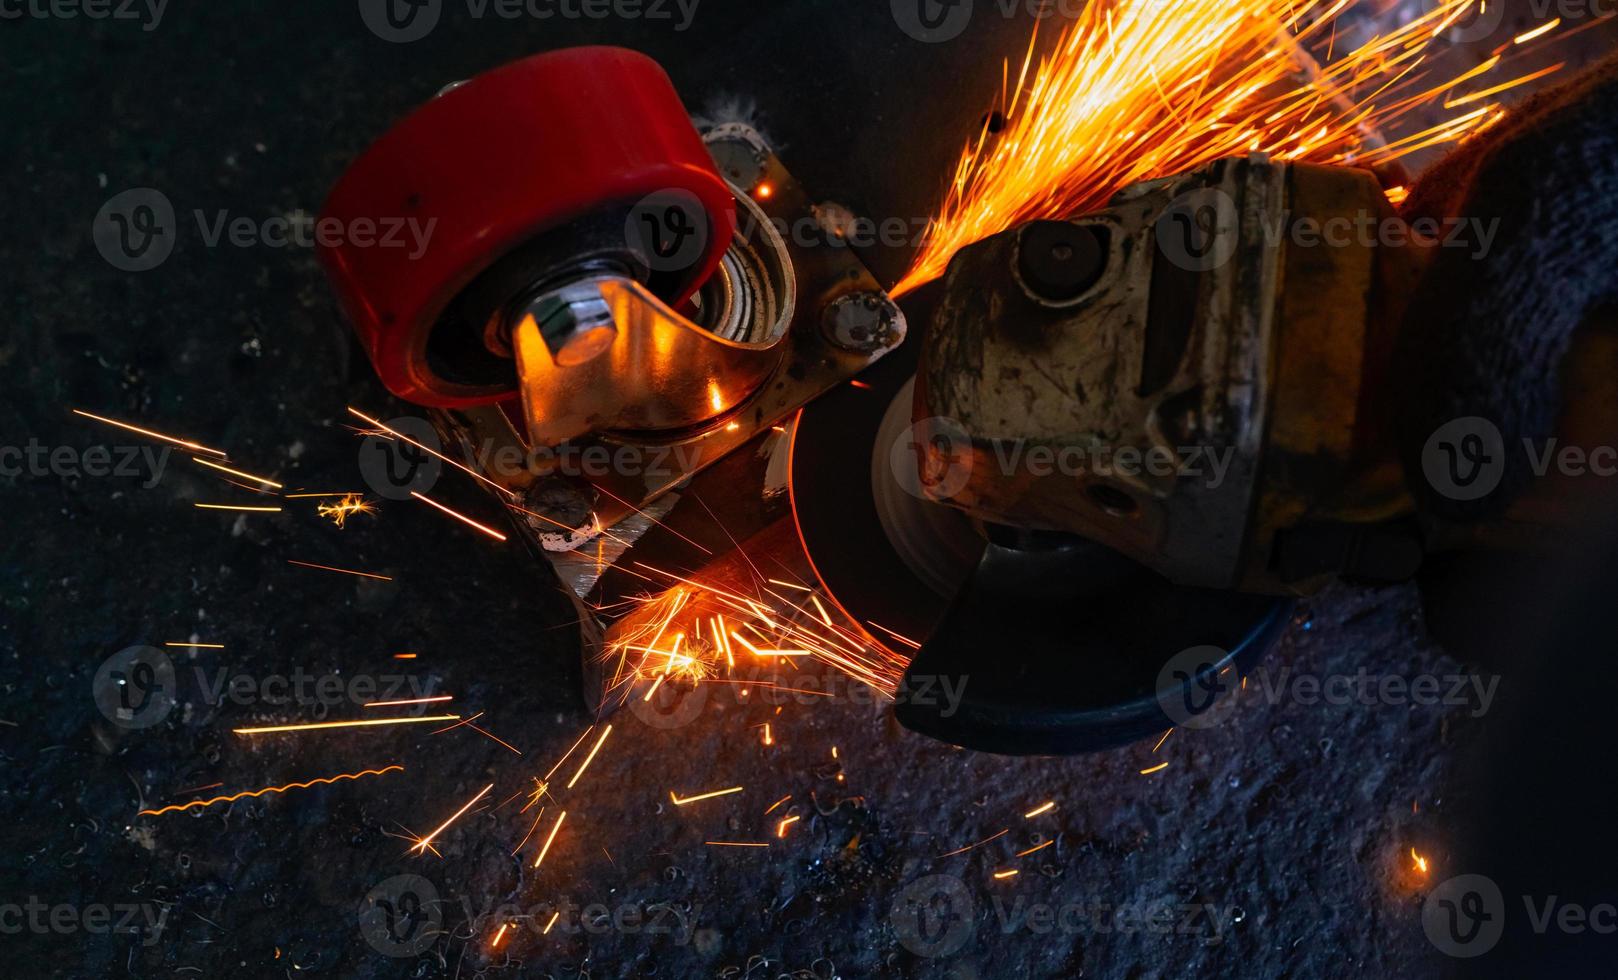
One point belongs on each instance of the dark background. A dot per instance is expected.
(1294, 820)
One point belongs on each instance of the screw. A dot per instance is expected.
(566, 509)
(863, 322)
(575, 322)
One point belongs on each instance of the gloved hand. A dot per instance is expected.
(1485, 335)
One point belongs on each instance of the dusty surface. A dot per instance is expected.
(1277, 842)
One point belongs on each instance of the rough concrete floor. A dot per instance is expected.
(1278, 842)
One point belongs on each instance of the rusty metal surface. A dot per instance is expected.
(1078, 378)
(1291, 820)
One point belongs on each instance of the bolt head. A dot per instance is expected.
(864, 322)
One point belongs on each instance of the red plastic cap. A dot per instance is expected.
(488, 165)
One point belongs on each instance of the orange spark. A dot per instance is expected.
(1503, 86)
(500, 935)
(389, 704)
(260, 510)
(825, 617)
(404, 656)
(587, 759)
(1042, 808)
(1136, 90)
(324, 780)
(458, 724)
(343, 724)
(199, 646)
(1421, 862)
(777, 803)
(554, 916)
(768, 739)
(734, 843)
(426, 842)
(225, 469)
(568, 753)
(1160, 741)
(486, 529)
(1156, 768)
(781, 828)
(963, 850)
(1005, 874)
(1539, 31)
(343, 509)
(531, 828)
(546, 849)
(682, 801)
(148, 432)
(345, 571)
(493, 737)
(428, 449)
(1036, 847)
(912, 644)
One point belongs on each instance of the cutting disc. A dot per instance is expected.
(1051, 643)
(890, 559)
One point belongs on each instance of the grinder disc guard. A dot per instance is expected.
(1044, 643)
